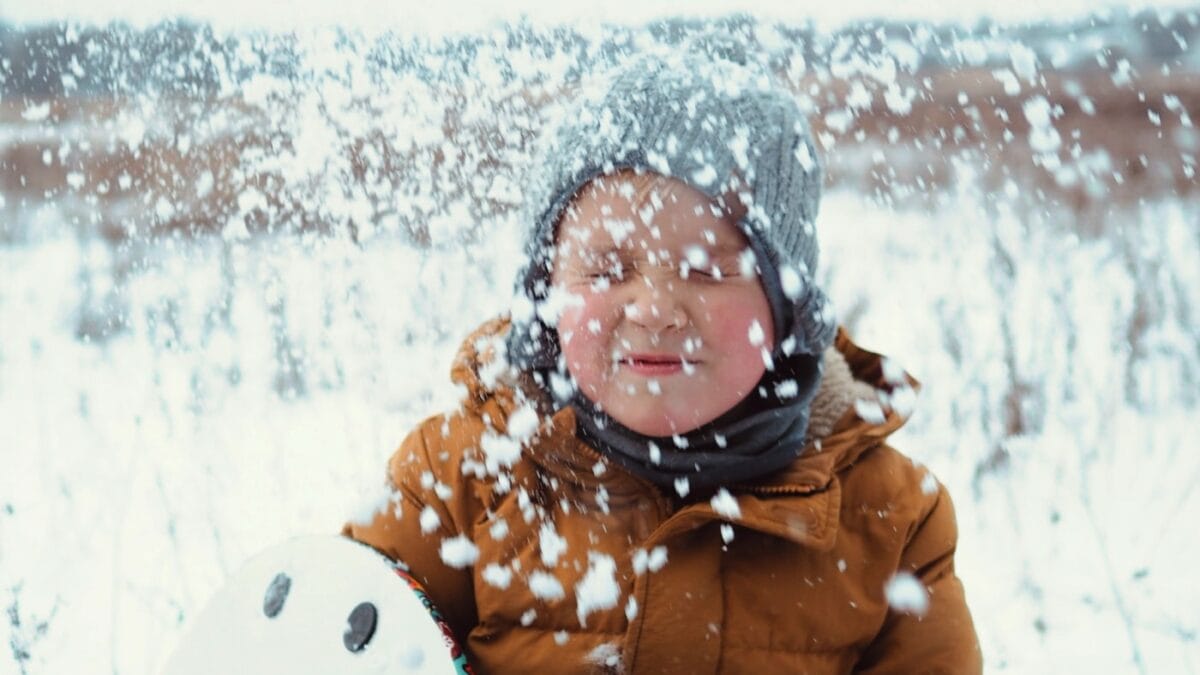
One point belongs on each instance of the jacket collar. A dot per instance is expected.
(799, 503)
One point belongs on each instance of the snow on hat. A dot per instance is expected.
(709, 118)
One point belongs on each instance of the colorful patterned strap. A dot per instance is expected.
(456, 651)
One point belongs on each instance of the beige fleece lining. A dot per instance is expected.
(836, 393)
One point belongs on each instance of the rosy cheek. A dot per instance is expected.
(732, 329)
(589, 325)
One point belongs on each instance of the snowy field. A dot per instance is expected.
(138, 474)
(258, 382)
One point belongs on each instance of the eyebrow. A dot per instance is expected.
(596, 255)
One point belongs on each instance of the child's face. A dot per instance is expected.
(666, 321)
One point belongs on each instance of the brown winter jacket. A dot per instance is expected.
(630, 579)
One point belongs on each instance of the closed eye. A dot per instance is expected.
(613, 273)
(713, 273)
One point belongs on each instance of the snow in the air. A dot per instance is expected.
(546, 586)
(652, 560)
(726, 505)
(429, 519)
(906, 594)
(459, 551)
(522, 423)
(598, 590)
(500, 451)
(755, 333)
(747, 265)
(683, 487)
(551, 544)
(499, 529)
(793, 284)
(233, 279)
(497, 575)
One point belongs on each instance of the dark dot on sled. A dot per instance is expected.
(360, 627)
(277, 593)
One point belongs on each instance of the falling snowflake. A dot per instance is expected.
(906, 594)
(497, 575)
(429, 519)
(598, 590)
(459, 552)
(546, 586)
(726, 505)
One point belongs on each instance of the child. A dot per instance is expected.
(670, 459)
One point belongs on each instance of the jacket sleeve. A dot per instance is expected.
(942, 640)
(404, 528)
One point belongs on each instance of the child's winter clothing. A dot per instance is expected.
(582, 567)
(557, 540)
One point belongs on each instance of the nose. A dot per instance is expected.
(654, 308)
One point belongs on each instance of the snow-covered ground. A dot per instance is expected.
(138, 473)
(256, 384)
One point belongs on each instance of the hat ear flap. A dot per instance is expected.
(813, 321)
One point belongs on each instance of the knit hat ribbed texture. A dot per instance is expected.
(707, 117)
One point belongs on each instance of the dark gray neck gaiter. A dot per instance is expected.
(760, 435)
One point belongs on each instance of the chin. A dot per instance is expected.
(659, 426)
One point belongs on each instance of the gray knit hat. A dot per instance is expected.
(705, 116)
